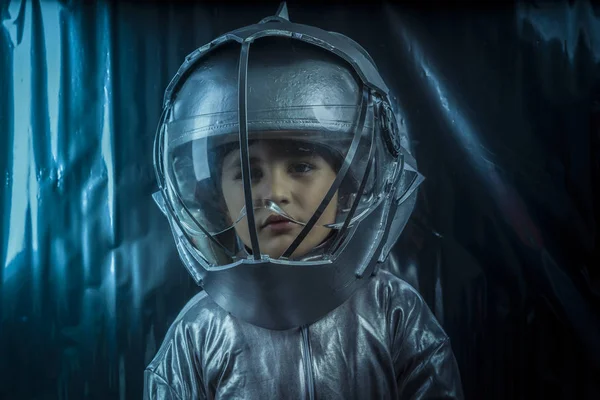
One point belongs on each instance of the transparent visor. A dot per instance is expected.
(305, 175)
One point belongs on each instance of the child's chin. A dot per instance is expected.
(276, 246)
(276, 250)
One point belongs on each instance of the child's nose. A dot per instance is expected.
(277, 186)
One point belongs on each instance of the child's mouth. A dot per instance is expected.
(278, 224)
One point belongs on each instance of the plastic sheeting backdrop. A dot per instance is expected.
(503, 108)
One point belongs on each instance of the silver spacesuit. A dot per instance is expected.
(285, 179)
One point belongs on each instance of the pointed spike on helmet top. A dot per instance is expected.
(280, 15)
(282, 11)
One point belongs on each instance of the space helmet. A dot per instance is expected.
(282, 170)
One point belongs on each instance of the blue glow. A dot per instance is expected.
(22, 70)
(564, 24)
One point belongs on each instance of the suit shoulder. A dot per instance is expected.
(396, 287)
(187, 328)
(198, 308)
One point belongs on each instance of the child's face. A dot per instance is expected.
(294, 179)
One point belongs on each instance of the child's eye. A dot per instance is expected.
(301, 168)
(255, 173)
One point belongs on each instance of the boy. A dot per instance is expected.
(285, 184)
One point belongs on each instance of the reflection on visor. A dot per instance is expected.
(270, 205)
(195, 154)
(204, 178)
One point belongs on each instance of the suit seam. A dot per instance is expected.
(437, 348)
(164, 381)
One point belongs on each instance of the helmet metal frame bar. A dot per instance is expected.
(160, 176)
(365, 100)
(244, 152)
(340, 235)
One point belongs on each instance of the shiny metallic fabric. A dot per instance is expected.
(282, 74)
(383, 343)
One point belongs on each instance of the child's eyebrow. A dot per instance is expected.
(234, 162)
